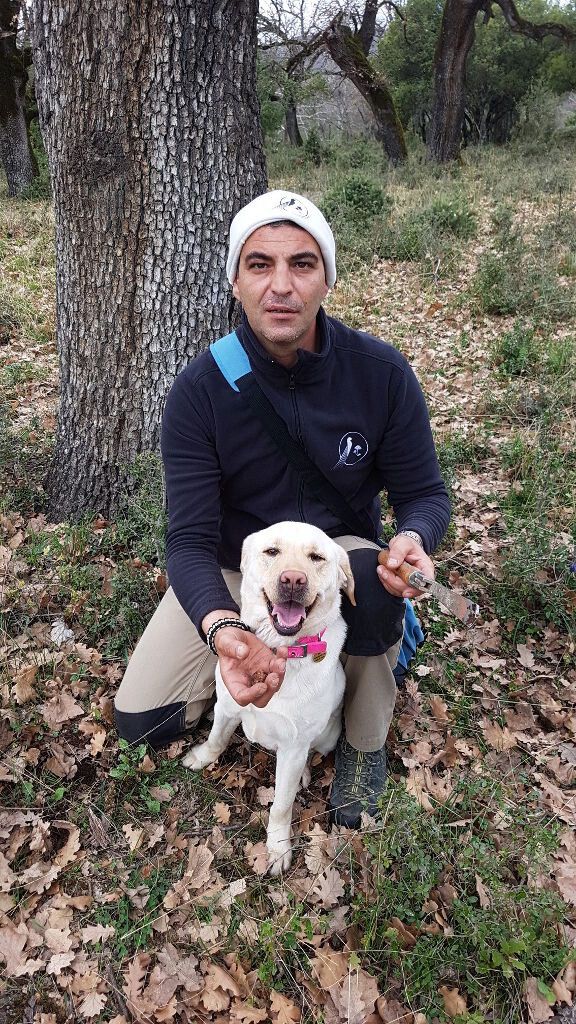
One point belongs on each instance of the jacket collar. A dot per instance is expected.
(309, 365)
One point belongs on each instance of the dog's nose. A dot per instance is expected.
(293, 578)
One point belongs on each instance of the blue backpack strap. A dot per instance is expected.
(230, 358)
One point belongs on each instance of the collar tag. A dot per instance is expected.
(313, 645)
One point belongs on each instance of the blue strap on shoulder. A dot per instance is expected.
(230, 358)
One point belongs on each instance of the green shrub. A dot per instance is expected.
(355, 200)
(315, 151)
(451, 215)
(428, 232)
(516, 351)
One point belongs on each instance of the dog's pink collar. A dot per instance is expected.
(308, 645)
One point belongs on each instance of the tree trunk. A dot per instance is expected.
(151, 124)
(455, 40)
(347, 52)
(16, 154)
(292, 129)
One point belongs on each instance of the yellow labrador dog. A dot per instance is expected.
(292, 574)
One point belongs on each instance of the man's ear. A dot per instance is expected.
(346, 577)
(235, 289)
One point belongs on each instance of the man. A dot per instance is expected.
(354, 404)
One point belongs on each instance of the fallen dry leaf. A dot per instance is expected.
(283, 1009)
(61, 708)
(454, 1002)
(328, 888)
(539, 1008)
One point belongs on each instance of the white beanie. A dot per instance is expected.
(281, 205)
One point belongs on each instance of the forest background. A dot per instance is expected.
(132, 889)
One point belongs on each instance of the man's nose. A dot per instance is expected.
(281, 282)
(293, 578)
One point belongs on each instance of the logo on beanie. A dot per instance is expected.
(293, 205)
(352, 448)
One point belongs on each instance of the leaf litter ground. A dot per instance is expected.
(131, 889)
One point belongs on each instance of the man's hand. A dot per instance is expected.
(251, 672)
(404, 549)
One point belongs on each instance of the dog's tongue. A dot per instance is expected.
(289, 613)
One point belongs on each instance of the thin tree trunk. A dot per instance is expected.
(16, 154)
(347, 52)
(292, 128)
(152, 129)
(455, 41)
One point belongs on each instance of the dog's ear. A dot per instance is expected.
(246, 552)
(345, 574)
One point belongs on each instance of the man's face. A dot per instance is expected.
(281, 285)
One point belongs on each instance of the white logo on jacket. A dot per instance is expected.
(352, 448)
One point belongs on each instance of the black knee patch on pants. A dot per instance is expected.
(155, 727)
(376, 622)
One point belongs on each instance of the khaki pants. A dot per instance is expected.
(169, 681)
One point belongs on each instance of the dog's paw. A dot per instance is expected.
(279, 857)
(306, 777)
(199, 757)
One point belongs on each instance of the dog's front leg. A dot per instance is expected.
(220, 733)
(290, 766)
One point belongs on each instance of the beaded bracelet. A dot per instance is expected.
(411, 533)
(219, 624)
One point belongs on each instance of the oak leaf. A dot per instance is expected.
(329, 967)
(392, 1012)
(257, 856)
(60, 708)
(565, 875)
(93, 1004)
(454, 1002)
(133, 836)
(265, 795)
(284, 1010)
(222, 812)
(497, 737)
(97, 932)
(539, 1008)
(525, 656)
(328, 888)
(246, 1014)
(23, 688)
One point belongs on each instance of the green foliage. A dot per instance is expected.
(129, 759)
(427, 232)
(141, 517)
(501, 69)
(485, 951)
(521, 277)
(354, 200)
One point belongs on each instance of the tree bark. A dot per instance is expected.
(455, 40)
(347, 52)
(292, 128)
(151, 124)
(16, 154)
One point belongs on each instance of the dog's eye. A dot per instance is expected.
(272, 552)
(315, 557)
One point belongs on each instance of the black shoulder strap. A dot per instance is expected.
(318, 484)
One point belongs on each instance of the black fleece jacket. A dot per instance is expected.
(355, 406)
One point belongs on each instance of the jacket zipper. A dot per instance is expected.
(292, 389)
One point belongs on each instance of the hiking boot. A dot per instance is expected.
(359, 781)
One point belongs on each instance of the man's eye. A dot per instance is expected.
(272, 552)
(316, 558)
(303, 265)
(257, 266)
